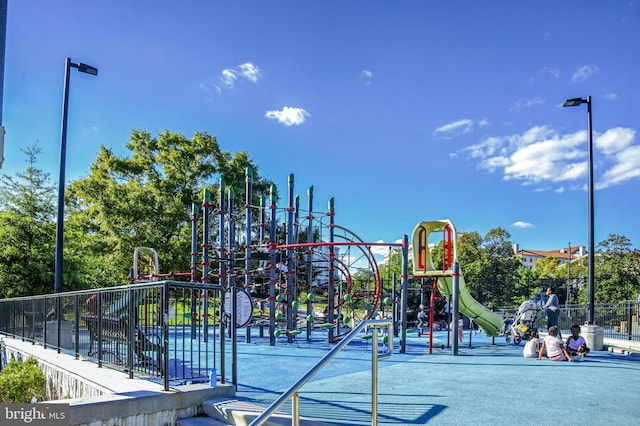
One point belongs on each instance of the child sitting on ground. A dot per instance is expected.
(532, 347)
(554, 347)
(576, 345)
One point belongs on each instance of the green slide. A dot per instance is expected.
(423, 267)
(490, 323)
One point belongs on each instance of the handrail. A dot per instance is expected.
(292, 392)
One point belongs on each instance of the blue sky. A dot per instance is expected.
(401, 111)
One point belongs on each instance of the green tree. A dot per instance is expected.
(27, 231)
(470, 257)
(145, 199)
(546, 267)
(617, 270)
(525, 285)
(494, 283)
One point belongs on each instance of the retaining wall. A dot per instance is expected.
(100, 396)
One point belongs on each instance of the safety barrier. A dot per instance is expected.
(164, 330)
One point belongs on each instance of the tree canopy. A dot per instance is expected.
(144, 199)
(27, 231)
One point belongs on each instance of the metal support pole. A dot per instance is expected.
(57, 286)
(310, 263)
(404, 292)
(272, 267)
(592, 252)
(332, 289)
(456, 297)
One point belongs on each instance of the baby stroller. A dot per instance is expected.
(523, 323)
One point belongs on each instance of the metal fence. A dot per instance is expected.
(619, 320)
(162, 330)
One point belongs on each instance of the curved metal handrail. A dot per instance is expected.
(292, 392)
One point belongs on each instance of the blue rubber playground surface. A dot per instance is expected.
(489, 382)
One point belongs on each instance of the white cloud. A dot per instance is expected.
(584, 72)
(615, 140)
(228, 77)
(250, 72)
(289, 116)
(379, 250)
(543, 73)
(367, 76)
(461, 126)
(528, 103)
(522, 225)
(541, 155)
(627, 167)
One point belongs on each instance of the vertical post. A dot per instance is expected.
(396, 307)
(288, 292)
(63, 164)
(456, 300)
(231, 286)
(194, 243)
(309, 262)
(248, 198)
(263, 217)
(131, 324)
(3, 37)
(221, 275)
(165, 335)
(194, 267)
(296, 259)
(77, 328)
(404, 292)
(374, 376)
(247, 246)
(295, 409)
(331, 283)
(592, 253)
(272, 266)
(566, 301)
(206, 245)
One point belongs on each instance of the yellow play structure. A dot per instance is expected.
(423, 267)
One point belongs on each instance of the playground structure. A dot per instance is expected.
(450, 280)
(285, 280)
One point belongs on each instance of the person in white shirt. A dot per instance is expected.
(532, 347)
(576, 345)
(554, 347)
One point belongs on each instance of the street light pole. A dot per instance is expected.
(566, 302)
(571, 103)
(88, 69)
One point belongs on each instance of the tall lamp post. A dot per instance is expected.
(566, 302)
(88, 69)
(571, 103)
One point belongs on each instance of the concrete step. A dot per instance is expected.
(631, 351)
(241, 413)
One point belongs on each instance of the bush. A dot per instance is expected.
(20, 382)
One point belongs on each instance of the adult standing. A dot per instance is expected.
(552, 308)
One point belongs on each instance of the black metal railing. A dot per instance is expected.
(163, 330)
(620, 320)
